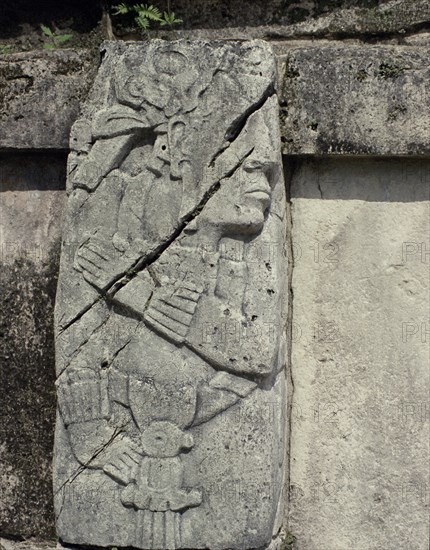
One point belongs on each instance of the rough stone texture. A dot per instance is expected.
(31, 544)
(225, 19)
(27, 453)
(308, 19)
(171, 304)
(360, 413)
(278, 543)
(40, 96)
(336, 98)
(341, 99)
(31, 203)
(392, 18)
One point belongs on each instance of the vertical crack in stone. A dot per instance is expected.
(290, 167)
(319, 184)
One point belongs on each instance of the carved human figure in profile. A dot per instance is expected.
(204, 271)
(195, 288)
(172, 267)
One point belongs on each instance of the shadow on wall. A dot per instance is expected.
(81, 16)
(31, 201)
(372, 180)
(27, 408)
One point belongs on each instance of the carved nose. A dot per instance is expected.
(253, 165)
(257, 166)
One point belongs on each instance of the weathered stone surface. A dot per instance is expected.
(31, 203)
(336, 98)
(278, 543)
(40, 96)
(310, 19)
(8, 544)
(360, 361)
(171, 313)
(395, 17)
(370, 100)
(232, 19)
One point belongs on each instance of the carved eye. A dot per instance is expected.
(253, 166)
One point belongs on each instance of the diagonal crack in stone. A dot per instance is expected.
(144, 262)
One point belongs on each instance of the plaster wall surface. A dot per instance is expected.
(359, 474)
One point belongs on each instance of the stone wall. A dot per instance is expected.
(336, 98)
(359, 363)
(31, 204)
(359, 451)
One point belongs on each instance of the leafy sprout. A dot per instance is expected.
(55, 39)
(5, 49)
(169, 18)
(121, 9)
(145, 14)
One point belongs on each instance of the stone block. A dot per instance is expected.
(40, 97)
(342, 99)
(336, 98)
(32, 193)
(359, 473)
(171, 305)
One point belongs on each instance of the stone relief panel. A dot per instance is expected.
(171, 303)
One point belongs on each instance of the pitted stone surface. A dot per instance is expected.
(347, 99)
(31, 205)
(360, 449)
(338, 98)
(171, 313)
(40, 97)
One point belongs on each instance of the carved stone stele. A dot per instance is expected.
(170, 314)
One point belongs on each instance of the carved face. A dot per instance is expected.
(240, 206)
(254, 190)
(241, 203)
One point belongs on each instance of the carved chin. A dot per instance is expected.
(250, 220)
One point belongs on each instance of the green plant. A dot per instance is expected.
(55, 39)
(5, 48)
(169, 17)
(145, 14)
(361, 75)
(287, 540)
(389, 70)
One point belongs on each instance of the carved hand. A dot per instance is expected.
(171, 312)
(122, 459)
(101, 263)
(220, 330)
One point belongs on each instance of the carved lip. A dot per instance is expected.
(259, 193)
